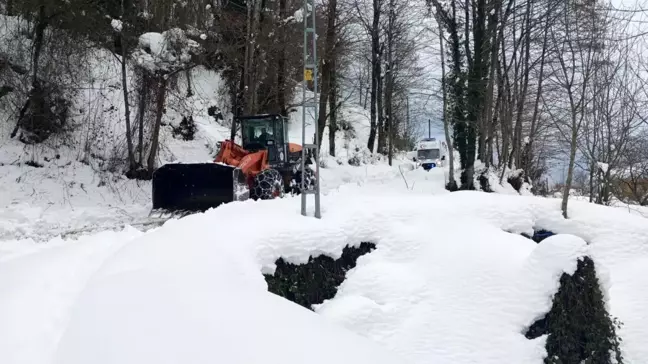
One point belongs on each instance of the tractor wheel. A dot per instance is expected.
(297, 180)
(267, 185)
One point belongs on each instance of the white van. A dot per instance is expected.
(429, 153)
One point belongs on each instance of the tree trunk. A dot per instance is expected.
(249, 54)
(155, 137)
(256, 62)
(360, 87)
(485, 153)
(452, 184)
(570, 169)
(375, 72)
(475, 94)
(536, 107)
(324, 94)
(281, 64)
(467, 5)
(389, 91)
(458, 90)
(129, 132)
(327, 64)
(593, 171)
(517, 145)
(38, 43)
(189, 88)
(144, 90)
(39, 31)
(382, 135)
(506, 117)
(239, 104)
(333, 107)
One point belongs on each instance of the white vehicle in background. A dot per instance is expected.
(429, 153)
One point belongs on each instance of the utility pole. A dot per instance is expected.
(429, 128)
(310, 74)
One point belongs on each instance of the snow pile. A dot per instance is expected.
(117, 25)
(451, 281)
(161, 310)
(41, 288)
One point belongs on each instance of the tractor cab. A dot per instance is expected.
(265, 132)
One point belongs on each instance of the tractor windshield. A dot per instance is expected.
(259, 130)
(263, 130)
(428, 154)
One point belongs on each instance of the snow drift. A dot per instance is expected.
(451, 281)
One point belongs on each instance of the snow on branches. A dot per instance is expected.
(165, 53)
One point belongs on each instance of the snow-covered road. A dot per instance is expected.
(451, 281)
(49, 202)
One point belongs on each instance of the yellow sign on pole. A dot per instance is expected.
(308, 74)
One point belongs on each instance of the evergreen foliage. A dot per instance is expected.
(578, 326)
(316, 281)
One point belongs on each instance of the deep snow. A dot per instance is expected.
(451, 281)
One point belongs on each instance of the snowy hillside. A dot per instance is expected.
(72, 184)
(66, 183)
(432, 291)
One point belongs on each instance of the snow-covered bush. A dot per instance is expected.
(215, 112)
(579, 328)
(512, 181)
(355, 160)
(324, 161)
(361, 155)
(186, 130)
(347, 129)
(165, 53)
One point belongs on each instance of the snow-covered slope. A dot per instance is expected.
(451, 281)
(71, 183)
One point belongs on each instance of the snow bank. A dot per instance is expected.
(39, 289)
(143, 309)
(65, 197)
(451, 281)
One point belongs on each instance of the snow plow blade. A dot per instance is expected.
(190, 188)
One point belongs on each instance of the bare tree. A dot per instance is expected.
(572, 73)
(327, 67)
(373, 30)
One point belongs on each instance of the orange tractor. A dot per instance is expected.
(264, 166)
